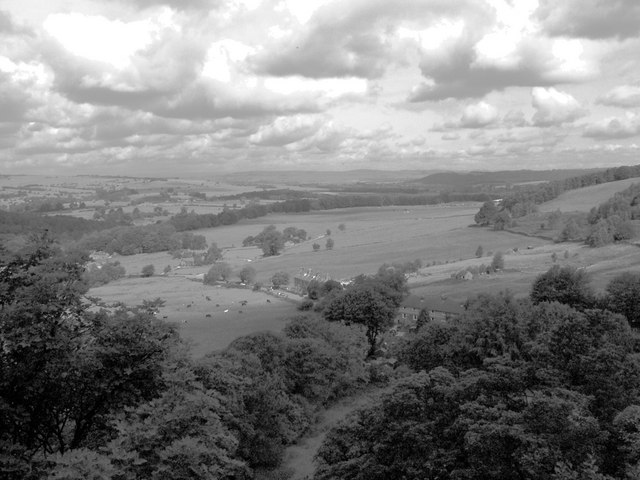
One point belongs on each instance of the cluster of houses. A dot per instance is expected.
(436, 309)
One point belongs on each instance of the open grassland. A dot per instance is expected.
(187, 305)
(440, 236)
(522, 268)
(583, 199)
(373, 236)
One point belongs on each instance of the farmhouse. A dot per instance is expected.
(436, 308)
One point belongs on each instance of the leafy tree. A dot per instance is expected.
(342, 227)
(479, 251)
(497, 263)
(213, 254)
(600, 235)
(272, 243)
(328, 232)
(247, 274)
(329, 244)
(363, 305)
(623, 296)
(316, 247)
(501, 220)
(219, 272)
(566, 285)
(570, 231)
(64, 368)
(486, 214)
(148, 271)
(108, 272)
(279, 279)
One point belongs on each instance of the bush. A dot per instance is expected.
(279, 279)
(96, 276)
(148, 271)
(247, 274)
(305, 305)
(218, 272)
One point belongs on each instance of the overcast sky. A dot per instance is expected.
(186, 86)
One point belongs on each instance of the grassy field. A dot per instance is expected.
(438, 235)
(188, 306)
(372, 237)
(583, 199)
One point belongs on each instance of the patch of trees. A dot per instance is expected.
(270, 240)
(96, 275)
(60, 226)
(611, 220)
(116, 195)
(114, 393)
(141, 239)
(522, 389)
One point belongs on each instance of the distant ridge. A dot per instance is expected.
(311, 177)
(502, 177)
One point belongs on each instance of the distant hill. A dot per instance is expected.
(503, 177)
(583, 199)
(301, 177)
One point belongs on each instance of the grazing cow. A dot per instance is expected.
(208, 315)
(268, 301)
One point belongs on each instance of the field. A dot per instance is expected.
(373, 236)
(187, 305)
(583, 199)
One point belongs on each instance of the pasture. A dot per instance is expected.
(187, 303)
(583, 199)
(373, 236)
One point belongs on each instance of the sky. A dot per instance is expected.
(183, 87)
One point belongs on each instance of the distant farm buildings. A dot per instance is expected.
(436, 308)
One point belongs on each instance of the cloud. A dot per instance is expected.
(351, 39)
(176, 4)
(498, 52)
(596, 19)
(286, 130)
(450, 136)
(609, 128)
(624, 96)
(478, 115)
(554, 107)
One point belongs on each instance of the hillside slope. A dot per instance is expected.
(583, 199)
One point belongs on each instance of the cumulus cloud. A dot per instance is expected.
(503, 51)
(286, 130)
(554, 107)
(624, 127)
(595, 19)
(624, 96)
(356, 38)
(478, 115)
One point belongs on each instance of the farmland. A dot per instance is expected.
(583, 199)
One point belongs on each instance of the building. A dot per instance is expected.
(437, 308)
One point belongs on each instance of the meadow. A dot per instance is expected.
(583, 199)
(438, 235)
(209, 317)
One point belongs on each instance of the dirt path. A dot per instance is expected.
(298, 458)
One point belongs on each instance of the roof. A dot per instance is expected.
(433, 303)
